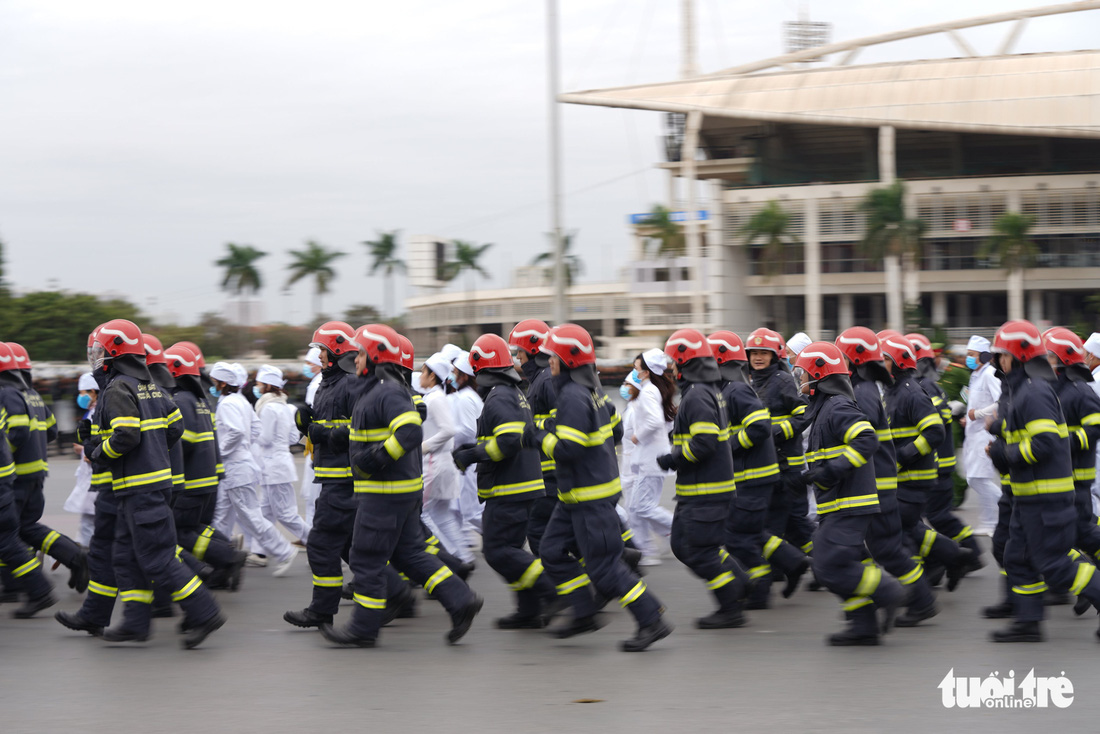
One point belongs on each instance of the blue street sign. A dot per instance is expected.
(701, 215)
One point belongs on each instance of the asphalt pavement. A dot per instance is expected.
(257, 674)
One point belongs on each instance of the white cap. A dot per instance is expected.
(87, 382)
(462, 364)
(1092, 344)
(313, 356)
(269, 375)
(224, 372)
(450, 352)
(632, 381)
(414, 383)
(656, 360)
(798, 342)
(977, 344)
(439, 365)
(241, 373)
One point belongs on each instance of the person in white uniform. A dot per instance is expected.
(628, 470)
(795, 345)
(466, 408)
(278, 472)
(1092, 361)
(440, 474)
(237, 491)
(653, 414)
(81, 500)
(984, 391)
(309, 490)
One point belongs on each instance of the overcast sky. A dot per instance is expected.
(137, 137)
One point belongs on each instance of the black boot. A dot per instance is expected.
(1081, 606)
(794, 576)
(235, 570)
(34, 606)
(934, 573)
(887, 598)
(77, 623)
(998, 611)
(966, 562)
(579, 626)
(632, 557)
(646, 636)
(517, 621)
(722, 619)
(347, 591)
(123, 634)
(345, 638)
(408, 609)
(307, 618)
(197, 633)
(913, 617)
(852, 638)
(464, 619)
(399, 601)
(551, 607)
(1018, 632)
(1056, 599)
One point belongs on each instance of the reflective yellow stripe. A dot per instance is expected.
(333, 422)
(502, 490)
(369, 435)
(102, 589)
(492, 448)
(200, 482)
(187, 590)
(760, 472)
(437, 578)
(772, 545)
(911, 578)
(407, 418)
(141, 480)
(549, 444)
(926, 543)
(143, 596)
(125, 421)
(26, 568)
(848, 503)
(1042, 486)
(197, 436)
(692, 490)
(916, 475)
(594, 492)
(328, 582)
(869, 582)
(922, 446)
(759, 572)
(332, 472)
(1081, 580)
(634, 594)
(856, 429)
(573, 584)
(110, 451)
(19, 420)
(1084, 475)
(549, 465)
(34, 467)
(369, 602)
(929, 421)
(51, 538)
(1028, 589)
(202, 542)
(886, 483)
(371, 486)
(596, 438)
(394, 448)
(529, 577)
(7, 470)
(720, 580)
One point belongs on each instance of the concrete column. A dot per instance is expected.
(887, 170)
(1035, 306)
(887, 163)
(692, 225)
(812, 250)
(962, 315)
(845, 311)
(939, 308)
(608, 319)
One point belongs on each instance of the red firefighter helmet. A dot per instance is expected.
(571, 344)
(1065, 345)
(407, 352)
(821, 359)
(196, 351)
(687, 344)
(337, 337)
(727, 347)
(181, 360)
(381, 343)
(922, 347)
(490, 352)
(7, 358)
(897, 348)
(529, 335)
(767, 339)
(154, 350)
(21, 357)
(116, 338)
(1021, 339)
(860, 345)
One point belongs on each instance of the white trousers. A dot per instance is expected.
(988, 491)
(245, 506)
(468, 506)
(309, 490)
(87, 527)
(280, 505)
(647, 517)
(442, 519)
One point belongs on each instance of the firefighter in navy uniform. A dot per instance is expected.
(885, 540)
(937, 507)
(787, 515)
(327, 427)
(841, 445)
(385, 457)
(143, 425)
(528, 337)
(917, 429)
(1081, 408)
(580, 437)
(196, 500)
(509, 481)
(756, 472)
(1034, 449)
(19, 561)
(705, 484)
(31, 427)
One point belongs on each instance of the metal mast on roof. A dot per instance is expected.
(560, 311)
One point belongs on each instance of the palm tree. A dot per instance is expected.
(467, 255)
(383, 252)
(666, 237)
(891, 237)
(314, 261)
(240, 274)
(770, 224)
(573, 264)
(1012, 249)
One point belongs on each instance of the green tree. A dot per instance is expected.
(892, 238)
(574, 266)
(664, 235)
(1012, 248)
(362, 314)
(771, 224)
(383, 254)
(283, 341)
(315, 261)
(54, 325)
(241, 274)
(467, 259)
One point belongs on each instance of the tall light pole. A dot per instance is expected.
(560, 311)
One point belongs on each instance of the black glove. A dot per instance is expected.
(906, 455)
(530, 438)
(814, 475)
(339, 439)
(303, 417)
(667, 462)
(465, 455)
(83, 431)
(820, 474)
(316, 434)
(998, 452)
(422, 410)
(369, 463)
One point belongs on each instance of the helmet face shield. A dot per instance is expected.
(96, 356)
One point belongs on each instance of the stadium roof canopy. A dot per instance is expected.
(1048, 94)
